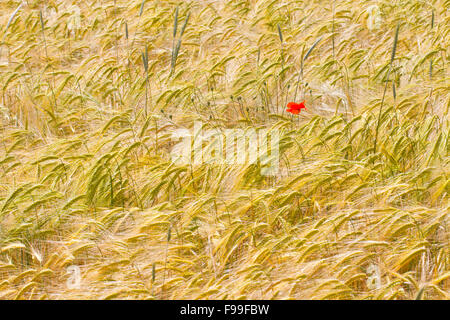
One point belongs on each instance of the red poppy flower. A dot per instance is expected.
(295, 108)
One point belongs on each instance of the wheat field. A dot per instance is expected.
(92, 90)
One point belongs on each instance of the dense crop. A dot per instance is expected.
(92, 90)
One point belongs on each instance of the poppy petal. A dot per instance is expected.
(295, 108)
(291, 105)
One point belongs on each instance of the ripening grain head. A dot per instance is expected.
(90, 94)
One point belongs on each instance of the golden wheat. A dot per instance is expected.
(91, 92)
